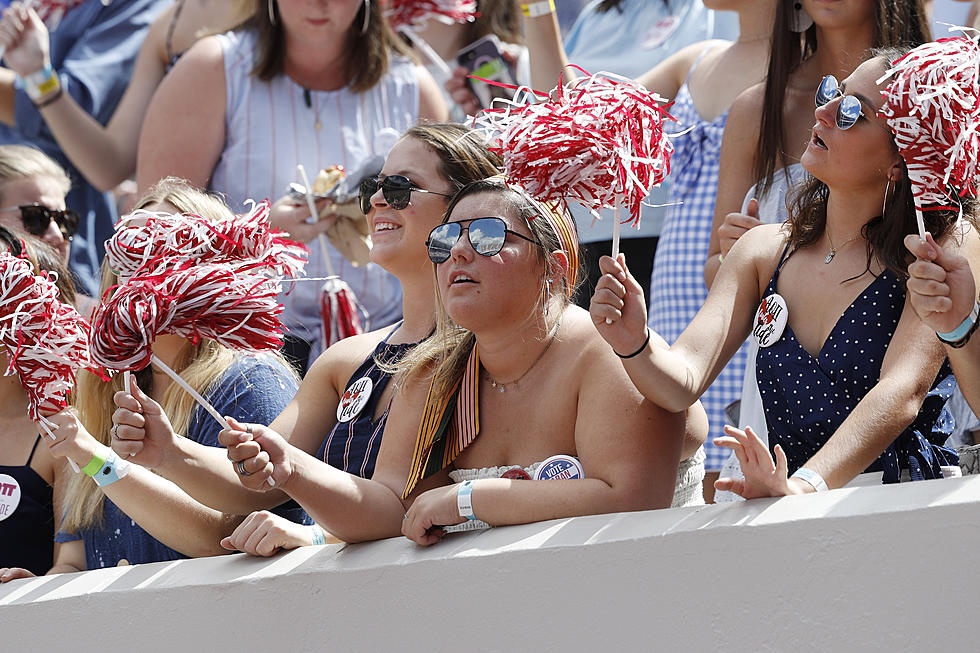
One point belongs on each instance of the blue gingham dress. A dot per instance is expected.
(677, 287)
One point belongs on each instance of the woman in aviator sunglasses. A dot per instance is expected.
(32, 197)
(850, 380)
(513, 375)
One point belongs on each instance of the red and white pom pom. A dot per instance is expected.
(245, 241)
(414, 13)
(215, 301)
(52, 11)
(599, 142)
(46, 340)
(933, 107)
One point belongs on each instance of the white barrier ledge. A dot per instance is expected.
(867, 568)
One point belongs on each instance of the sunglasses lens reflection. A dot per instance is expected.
(848, 112)
(487, 235)
(441, 241)
(827, 90)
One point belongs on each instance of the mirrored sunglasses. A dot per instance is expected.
(36, 217)
(397, 191)
(848, 111)
(487, 236)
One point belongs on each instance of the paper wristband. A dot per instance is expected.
(39, 84)
(464, 500)
(316, 534)
(963, 329)
(94, 465)
(536, 9)
(811, 477)
(112, 470)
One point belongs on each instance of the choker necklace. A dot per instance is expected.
(833, 250)
(502, 387)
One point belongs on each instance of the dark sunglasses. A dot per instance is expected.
(487, 236)
(36, 217)
(397, 191)
(849, 109)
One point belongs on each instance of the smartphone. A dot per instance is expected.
(482, 58)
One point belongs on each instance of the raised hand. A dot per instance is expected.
(25, 38)
(71, 440)
(736, 224)
(763, 476)
(941, 286)
(141, 431)
(292, 217)
(618, 307)
(265, 534)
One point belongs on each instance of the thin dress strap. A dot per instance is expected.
(168, 42)
(33, 449)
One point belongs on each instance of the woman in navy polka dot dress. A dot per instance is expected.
(851, 379)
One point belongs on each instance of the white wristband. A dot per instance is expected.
(464, 500)
(536, 9)
(316, 534)
(811, 477)
(41, 83)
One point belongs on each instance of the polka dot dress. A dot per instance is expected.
(806, 399)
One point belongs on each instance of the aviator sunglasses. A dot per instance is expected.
(849, 109)
(487, 236)
(36, 217)
(397, 191)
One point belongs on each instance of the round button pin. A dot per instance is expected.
(355, 398)
(9, 495)
(559, 467)
(770, 320)
(516, 474)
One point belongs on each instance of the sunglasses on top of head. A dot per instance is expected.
(36, 217)
(487, 236)
(397, 191)
(848, 111)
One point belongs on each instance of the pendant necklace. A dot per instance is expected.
(308, 99)
(833, 250)
(502, 387)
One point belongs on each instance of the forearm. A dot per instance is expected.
(664, 377)
(546, 51)
(504, 502)
(352, 508)
(207, 475)
(170, 515)
(89, 145)
(875, 422)
(711, 268)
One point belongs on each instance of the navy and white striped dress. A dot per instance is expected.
(269, 129)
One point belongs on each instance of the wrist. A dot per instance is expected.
(41, 84)
(317, 536)
(637, 352)
(538, 8)
(809, 480)
(959, 336)
(464, 501)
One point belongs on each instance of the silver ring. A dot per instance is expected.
(248, 428)
(113, 432)
(240, 467)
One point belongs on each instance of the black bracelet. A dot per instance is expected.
(637, 352)
(51, 100)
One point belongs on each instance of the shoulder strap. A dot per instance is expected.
(33, 449)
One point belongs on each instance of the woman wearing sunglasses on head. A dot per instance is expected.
(513, 375)
(851, 380)
(424, 168)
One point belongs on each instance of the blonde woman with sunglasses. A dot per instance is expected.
(850, 378)
(336, 416)
(513, 375)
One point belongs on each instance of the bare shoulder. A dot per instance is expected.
(203, 63)
(747, 108)
(339, 361)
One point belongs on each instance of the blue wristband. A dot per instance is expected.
(111, 471)
(317, 535)
(963, 329)
(464, 500)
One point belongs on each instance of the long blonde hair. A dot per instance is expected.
(201, 365)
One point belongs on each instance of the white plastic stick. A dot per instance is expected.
(921, 223)
(313, 212)
(51, 435)
(191, 391)
(427, 50)
(615, 240)
(128, 381)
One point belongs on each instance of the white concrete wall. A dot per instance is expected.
(869, 568)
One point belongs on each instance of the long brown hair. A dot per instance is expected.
(885, 234)
(368, 54)
(898, 23)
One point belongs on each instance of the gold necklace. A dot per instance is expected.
(833, 250)
(502, 387)
(312, 103)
